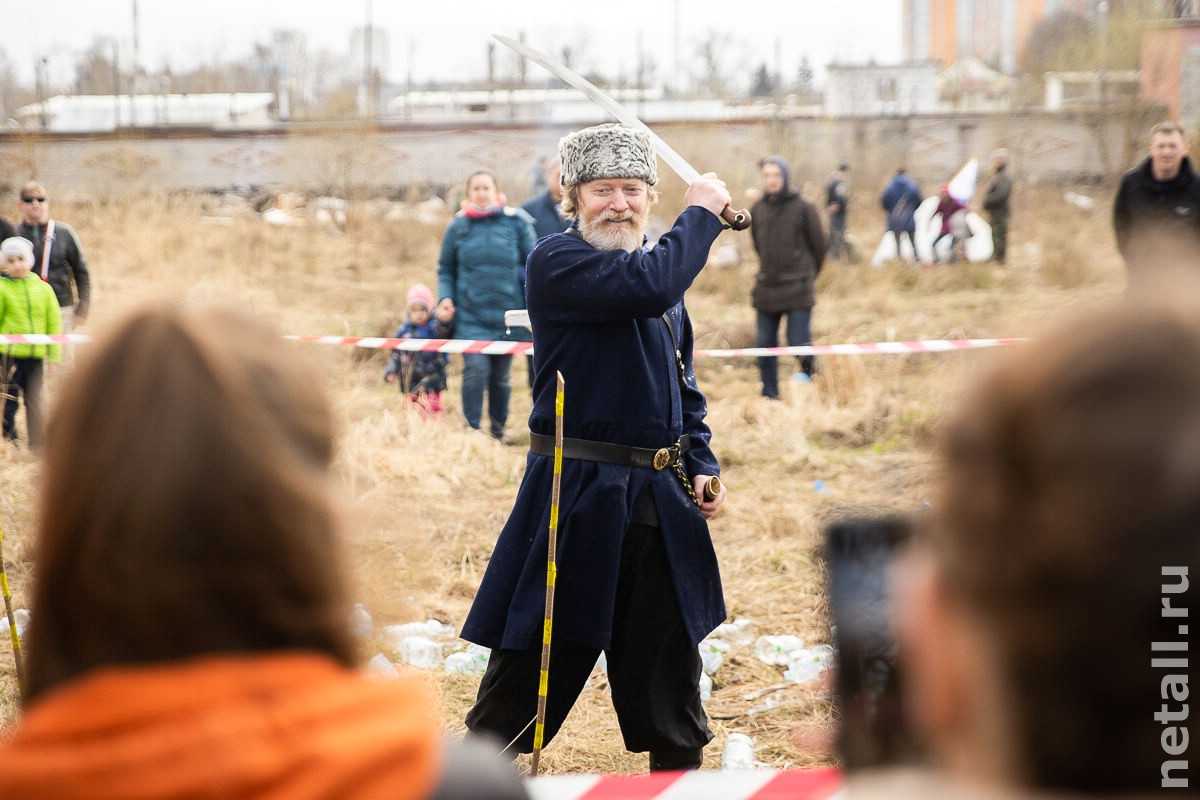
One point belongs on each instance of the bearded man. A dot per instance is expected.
(637, 576)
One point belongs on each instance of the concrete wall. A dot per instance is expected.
(350, 160)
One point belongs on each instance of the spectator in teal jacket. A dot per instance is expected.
(27, 305)
(481, 274)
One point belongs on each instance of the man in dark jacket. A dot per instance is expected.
(636, 574)
(996, 203)
(791, 248)
(58, 258)
(545, 208)
(837, 198)
(1156, 214)
(900, 200)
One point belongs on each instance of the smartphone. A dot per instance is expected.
(874, 730)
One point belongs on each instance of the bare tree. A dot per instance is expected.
(97, 69)
(1069, 41)
(719, 64)
(12, 94)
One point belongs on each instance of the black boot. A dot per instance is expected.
(675, 759)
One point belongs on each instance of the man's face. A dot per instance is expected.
(772, 177)
(613, 213)
(34, 207)
(1167, 149)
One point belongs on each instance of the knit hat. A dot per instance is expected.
(607, 151)
(17, 245)
(420, 293)
(784, 169)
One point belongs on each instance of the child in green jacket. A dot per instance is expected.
(27, 305)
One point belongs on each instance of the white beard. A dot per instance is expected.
(603, 235)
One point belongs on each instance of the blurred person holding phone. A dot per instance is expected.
(1053, 567)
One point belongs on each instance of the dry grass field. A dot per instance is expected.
(425, 498)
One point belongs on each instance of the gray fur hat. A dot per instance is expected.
(607, 151)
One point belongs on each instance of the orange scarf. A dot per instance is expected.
(270, 727)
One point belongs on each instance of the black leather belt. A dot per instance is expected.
(587, 450)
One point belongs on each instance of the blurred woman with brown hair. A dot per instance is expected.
(189, 633)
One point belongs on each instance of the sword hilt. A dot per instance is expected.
(712, 488)
(738, 220)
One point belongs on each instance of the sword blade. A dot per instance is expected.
(678, 164)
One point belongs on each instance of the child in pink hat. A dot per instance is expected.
(422, 375)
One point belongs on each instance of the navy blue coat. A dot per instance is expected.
(900, 199)
(597, 318)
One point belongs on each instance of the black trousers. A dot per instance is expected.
(653, 670)
(23, 375)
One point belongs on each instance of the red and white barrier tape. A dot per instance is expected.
(498, 348)
(517, 348)
(482, 347)
(43, 338)
(758, 784)
(866, 348)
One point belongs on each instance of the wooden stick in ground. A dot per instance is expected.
(539, 728)
(12, 620)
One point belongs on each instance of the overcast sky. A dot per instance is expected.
(447, 40)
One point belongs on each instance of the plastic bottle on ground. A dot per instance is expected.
(360, 621)
(738, 753)
(393, 635)
(21, 618)
(740, 631)
(775, 650)
(712, 654)
(421, 652)
(472, 661)
(807, 664)
(381, 668)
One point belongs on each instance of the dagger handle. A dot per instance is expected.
(739, 220)
(712, 488)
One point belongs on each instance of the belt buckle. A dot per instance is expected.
(666, 456)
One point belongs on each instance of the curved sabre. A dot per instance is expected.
(738, 220)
